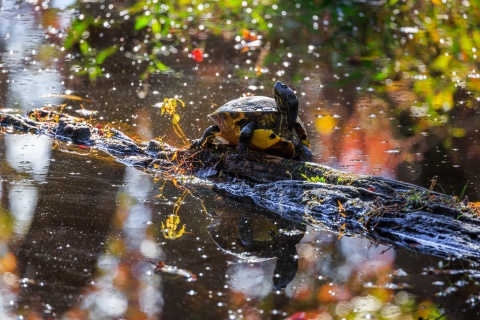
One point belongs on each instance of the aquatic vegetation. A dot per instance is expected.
(160, 27)
(169, 106)
(170, 227)
(414, 199)
(314, 179)
(93, 58)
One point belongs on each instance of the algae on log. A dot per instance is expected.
(383, 210)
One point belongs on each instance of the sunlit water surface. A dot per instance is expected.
(81, 235)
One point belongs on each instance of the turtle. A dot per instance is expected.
(262, 124)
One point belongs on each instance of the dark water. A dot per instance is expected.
(80, 235)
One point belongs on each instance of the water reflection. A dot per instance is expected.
(373, 101)
(95, 237)
(256, 237)
(31, 156)
(138, 186)
(27, 61)
(57, 256)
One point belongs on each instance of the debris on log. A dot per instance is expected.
(383, 210)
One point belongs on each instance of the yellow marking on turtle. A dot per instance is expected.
(267, 141)
(264, 138)
(267, 120)
(228, 120)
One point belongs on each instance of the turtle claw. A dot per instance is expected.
(304, 154)
(242, 152)
(196, 143)
(207, 137)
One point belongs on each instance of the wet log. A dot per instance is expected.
(383, 210)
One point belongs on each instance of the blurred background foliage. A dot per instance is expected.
(383, 85)
(426, 50)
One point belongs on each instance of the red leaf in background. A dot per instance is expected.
(249, 36)
(297, 316)
(197, 54)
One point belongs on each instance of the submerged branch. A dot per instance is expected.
(384, 210)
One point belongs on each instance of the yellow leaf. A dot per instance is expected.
(443, 99)
(458, 132)
(466, 42)
(175, 118)
(447, 143)
(174, 155)
(474, 84)
(441, 62)
(156, 27)
(181, 232)
(325, 124)
(424, 88)
(476, 38)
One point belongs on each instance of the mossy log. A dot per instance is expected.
(383, 210)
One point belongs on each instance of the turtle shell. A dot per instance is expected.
(232, 116)
(237, 112)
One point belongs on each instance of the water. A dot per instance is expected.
(81, 235)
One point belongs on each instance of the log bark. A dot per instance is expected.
(383, 210)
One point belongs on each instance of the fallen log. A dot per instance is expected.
(383, 210)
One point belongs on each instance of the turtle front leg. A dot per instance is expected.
(303, 154)
(246, 136)
(207, 137)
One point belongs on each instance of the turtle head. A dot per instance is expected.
(287, 103)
